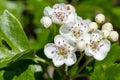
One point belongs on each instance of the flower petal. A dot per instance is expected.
(84, 27)
(60, 40)
(86, 38)
(48, 11)
(65, 31)
(100, 55)
(58, 60)
(88, 51)
(104, 48)
(96, 35)
(55, 19)
(70, 59)
(104, 45)
(58, 6)
(71, 18)
(87, 21)
(49, 50)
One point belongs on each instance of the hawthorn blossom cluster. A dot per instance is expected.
(76, 34)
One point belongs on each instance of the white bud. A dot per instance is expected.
(107, 26)
(113, 36)
(105, 33)
(100, 18)
(46, 21)
(70, 7)
(81, 45)
(93, 26)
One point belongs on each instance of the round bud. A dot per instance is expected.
(113, 36)
(81, 45)
(70, 7)
(105, 33)
(46, 21)
(100, 18)
(93, 26)
(107, 26)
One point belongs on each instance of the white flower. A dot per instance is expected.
(46, 21)
(107, 26)
(113, 36)
(100, 18)
(96, 46)
(81, 45)
(74, 32)
(93, 26)
(61, 13)
(60, 52)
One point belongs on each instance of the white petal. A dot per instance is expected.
(84, 28)
(86, 38)
(48, 11)
(88, 51)
(60, 40)
(96, 35)
(100, 55)
(58, 60)
(55, 19)
(70, 18)
(62, 5)
(70, 59)
(104, 49)
(49, 50)
(104, 45)
(65, 31)
(87, 21)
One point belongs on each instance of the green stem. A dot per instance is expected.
(80, 58)
(66, 68)
(80, 75)
(83, 66)
(40, 59)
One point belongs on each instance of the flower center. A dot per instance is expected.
(60, 13)
(62, 49)
(76, 32)
(94, 45)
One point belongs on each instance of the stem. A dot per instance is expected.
(83, 66)
(66, 68)
(40, 59)
(80, 75)
(80, 58)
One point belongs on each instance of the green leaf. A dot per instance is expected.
(13, 41)
(108, 69)
(18, 71)
(110, 72)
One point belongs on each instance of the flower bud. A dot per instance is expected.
(70, 7)
(81, 45)
(100, 18)
(107, 26)
(46, 21)
(105, 33)
(93, 26)
(113, 36)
